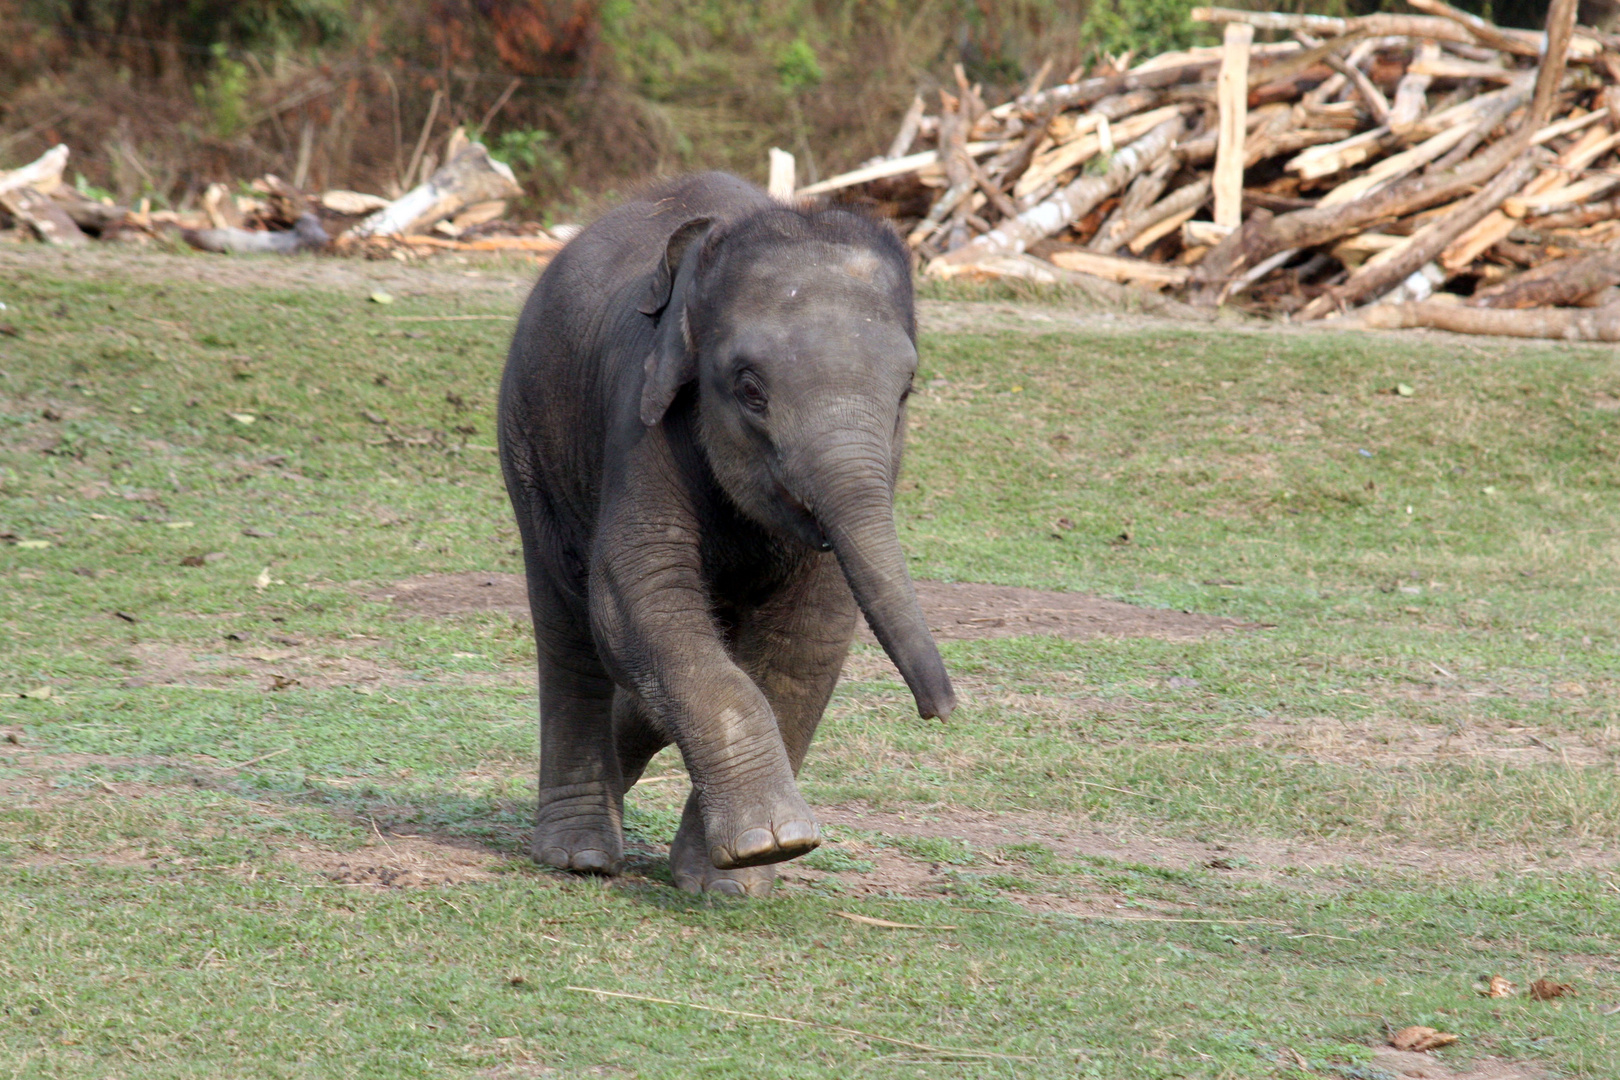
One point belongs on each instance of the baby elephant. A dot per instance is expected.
(700, 427)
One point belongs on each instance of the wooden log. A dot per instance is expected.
(306, 235)
(1106, 293)
(44, 216)
(472, 176)
(1441, 67)
(1139, 197)
(1591, 214)
(1493, 109)
(908, 129)
(1378, 25)
(1371, 96)
(1519, 43)
(1325, 160)
(1410, 93)
(1072, 202)
(1308, 228)
(1497, 225)
(1115, 268)
(882, 170)
(1550, 76)
(1336, 82)
(1232, 99)
(1395, 166)
(88, 214)
(1048, 169)
(1378, 276)
(782, 178)
(1166, 216)
(1566, 324)
(1090, 91)
(42, 174)
(1559, 283)
(1560, 198)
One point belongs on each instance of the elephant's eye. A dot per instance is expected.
(751, 392)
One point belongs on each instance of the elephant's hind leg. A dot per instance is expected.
(578, 822)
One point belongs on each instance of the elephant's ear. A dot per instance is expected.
(670, 365)
(663, 278)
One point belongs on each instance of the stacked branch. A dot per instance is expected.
(1411, 162)
(459, 206)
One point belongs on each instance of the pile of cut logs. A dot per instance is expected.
(1382, 171)
(461, 206)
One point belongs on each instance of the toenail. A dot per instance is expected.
(753, 842)
(798, 834)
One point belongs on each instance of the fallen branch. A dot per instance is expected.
(1566, 324)
(306, 235)
(1114, 268)
(472, 176)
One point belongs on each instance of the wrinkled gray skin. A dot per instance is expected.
(700, 426)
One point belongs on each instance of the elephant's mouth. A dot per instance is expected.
(804, 521)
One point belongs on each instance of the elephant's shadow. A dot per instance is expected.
(498, 828)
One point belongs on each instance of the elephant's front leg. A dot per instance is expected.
(650, 610)
(793, 647)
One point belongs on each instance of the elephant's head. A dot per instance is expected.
(798, 329)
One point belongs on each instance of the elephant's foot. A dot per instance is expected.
(694, 872)
(760, 830)
(580, 834)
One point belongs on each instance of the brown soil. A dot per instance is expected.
(956, 612)
(400, 861)
(311, 666)
(1409, 1066)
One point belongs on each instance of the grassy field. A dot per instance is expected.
(255, 822)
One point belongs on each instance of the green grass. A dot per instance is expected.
(1436, 683)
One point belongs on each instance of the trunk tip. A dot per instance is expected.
(937, 707)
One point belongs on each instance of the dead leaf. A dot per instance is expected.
(262, 582)
(867, 920)
(1418, 1039)
(282, 682)
(1498, 987)
(38, 693)
(1547, 990)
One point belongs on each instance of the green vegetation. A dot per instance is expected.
(1399, 782)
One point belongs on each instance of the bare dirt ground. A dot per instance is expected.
(956, 611)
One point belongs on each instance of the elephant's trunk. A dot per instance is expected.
(858, 519)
